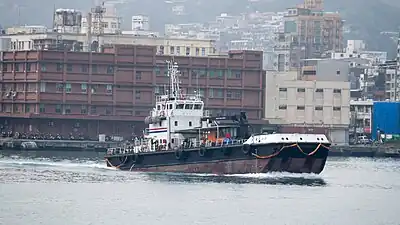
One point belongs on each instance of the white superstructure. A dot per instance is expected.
(174, 111)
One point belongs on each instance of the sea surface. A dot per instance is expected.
(63, 190)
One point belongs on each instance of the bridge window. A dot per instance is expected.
(189, 106)
(197, 106)
(179, 106)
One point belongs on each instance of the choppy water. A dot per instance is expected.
(60, 191)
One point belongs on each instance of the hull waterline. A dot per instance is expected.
(218, 162)
(292, 165)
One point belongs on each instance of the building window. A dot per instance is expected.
(83, 109)
(108, 111)
(237, 94)
(211, 93)
(43, 67)
(69, 67)
(229, 94)
(319, 90)
(84, 88)
(187, 51)
(336, 108)
(282, 107)
(237, 74)
(59, 87)
(109, 88)
(233, 94)
(216, 73)
(203, 51)
(172, 50)
(318, 108)
(93, 110)
(43, 87)
(337, 91)
(94, 88)
(199, 73)
(59, 67)
(85, 68)
(283, 89)
(137, 94)
(157, 71)
(138, 75)
(42, 109)
(197, 51)
(178, 50)
(301, 90)
(190, 123)
(68, 88)
(27, 108)
(4, 67)
(67, 109)
(28, 67)
(16, 67)
(176, 123)
(338, 72)
(94, 68)
(161, 52)
(58, 108)
(300, 107)
(110, 69)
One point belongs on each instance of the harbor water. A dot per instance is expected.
(64, 191)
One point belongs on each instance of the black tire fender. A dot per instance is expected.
(178, 154)
(246, 148)
(202, 151)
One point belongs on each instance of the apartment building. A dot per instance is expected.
(309, 32)
(361, 116)
(317, 96)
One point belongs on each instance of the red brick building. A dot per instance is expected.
(112, 92)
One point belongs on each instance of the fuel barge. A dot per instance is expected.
(182, 137)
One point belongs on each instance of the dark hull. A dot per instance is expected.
(227, 160)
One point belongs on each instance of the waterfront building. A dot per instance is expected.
(316, 97)
(112, 92)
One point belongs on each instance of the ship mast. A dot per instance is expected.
(173, 74)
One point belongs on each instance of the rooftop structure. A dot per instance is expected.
(79, 42)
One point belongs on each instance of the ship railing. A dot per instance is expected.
(132, 148)
(198, 144)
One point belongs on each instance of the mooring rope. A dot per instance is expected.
(288, 146)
